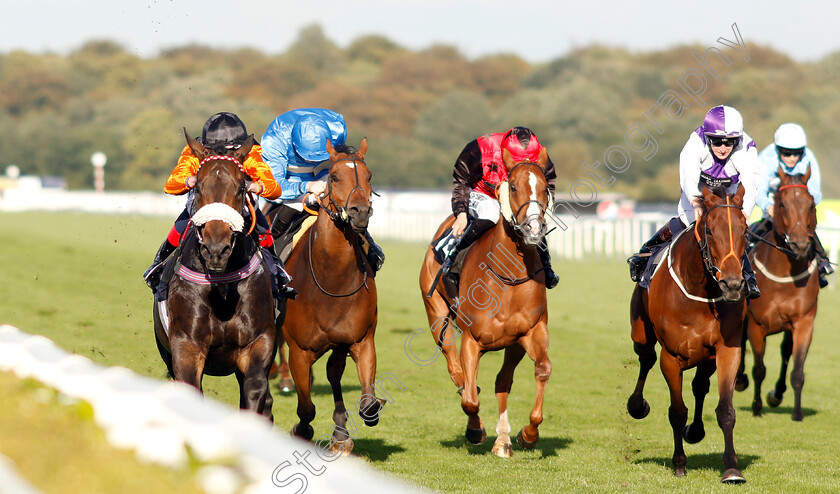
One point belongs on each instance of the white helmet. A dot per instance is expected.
(723, 121)
(790, 136)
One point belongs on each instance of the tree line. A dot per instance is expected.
(418, 108)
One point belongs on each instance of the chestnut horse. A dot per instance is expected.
(694, 309)
(218, 317)
(789, 284)
(336, 305)
(501, 303)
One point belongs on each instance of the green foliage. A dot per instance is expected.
(433, 100)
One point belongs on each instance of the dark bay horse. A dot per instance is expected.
(789, 289)
(501, 303)
(218, 318)
(336, 305)
(694, 309)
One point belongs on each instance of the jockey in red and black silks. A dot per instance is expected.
(479, 169)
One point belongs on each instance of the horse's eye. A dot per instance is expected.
(708, 231)
(333, 178)
(512, 188)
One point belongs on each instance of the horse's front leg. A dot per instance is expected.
(504, 380)
(341, 441)
(803, 331)
(445, 333)
(253, 364)
(536, 344)
(726, 359)
(188, 358)
(470, 354)
(758, 341)
(677, 412)
(695, 431)
(300, 363)
(364, 354)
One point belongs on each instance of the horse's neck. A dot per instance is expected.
(688, 261)
(517, 255)
(336, 246)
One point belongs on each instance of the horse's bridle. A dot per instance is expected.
(246, 201)
(786, 235)
(519, 227)
(711, 268)
(339, 215)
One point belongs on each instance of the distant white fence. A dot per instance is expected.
(411, 216)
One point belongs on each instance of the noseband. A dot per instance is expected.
(711, 268)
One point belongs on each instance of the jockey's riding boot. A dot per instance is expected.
(471, 233)
(283, 278)
(639, 260)
(757, 230)
(375, 257)
(551, 278)
(824, 265)
(153, 273)
(749, 278)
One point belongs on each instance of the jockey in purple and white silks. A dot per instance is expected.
(718, 153)
(703, 162)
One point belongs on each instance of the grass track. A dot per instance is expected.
(76, 279)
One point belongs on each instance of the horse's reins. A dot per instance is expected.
(339, 215)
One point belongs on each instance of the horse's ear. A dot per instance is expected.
(331, 151)
(807, 175)
(507, 159)
(360, 154)
(198, 150)
(784, 177)
(242, 153)
(739, 195)
(543, 158)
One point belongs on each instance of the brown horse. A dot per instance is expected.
(218, 317)
(789, 290)
(501, 303)
(694, 308)
(336, 305)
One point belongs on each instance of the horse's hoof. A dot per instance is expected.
(502, 450)
(679, 471)
(772, 400)
(306, 434)
(372, 411)
(287, 385)
(476, 436)
(693, 435)
(742, 382)
(733, 476)
(524, 443)
(342, 448)
(638, 413)
(797, 416)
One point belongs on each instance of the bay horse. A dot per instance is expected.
(694, 308)
(501, 303)
(336, 305)
(789, 284)
(219, 316)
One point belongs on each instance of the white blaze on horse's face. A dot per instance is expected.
(351, 164)
(533, 212)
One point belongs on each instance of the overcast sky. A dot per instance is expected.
(537, 30)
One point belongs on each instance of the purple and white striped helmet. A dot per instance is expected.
(723, 121)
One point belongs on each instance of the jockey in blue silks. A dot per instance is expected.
(294, 146)
(717, 154)
(790, 152)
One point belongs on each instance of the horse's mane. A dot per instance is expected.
(797, 179)
(345, 149)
